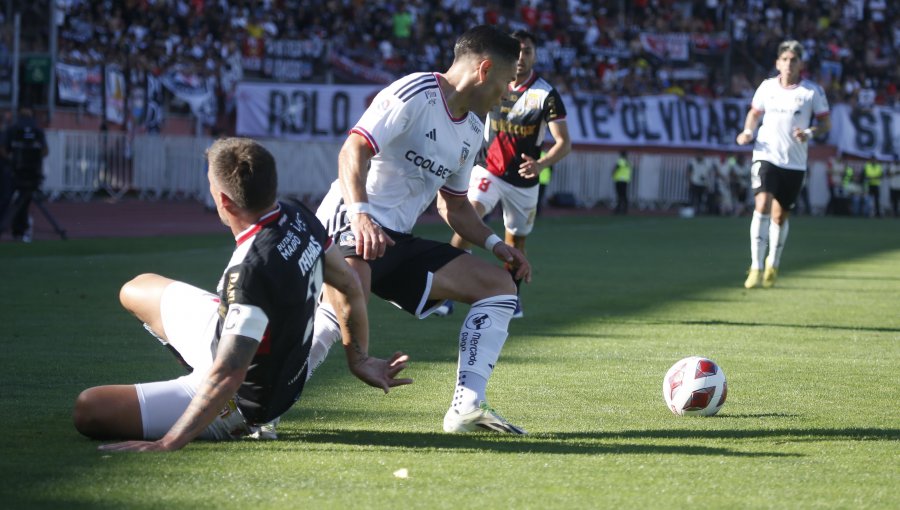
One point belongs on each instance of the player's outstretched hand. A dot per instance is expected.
(371, 240)
(515, 259)
(381, 373)
(134, 446)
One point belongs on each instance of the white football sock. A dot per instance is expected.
(481, 339)
(777, 236)
(471, 389)
(759, 238)
(326, 332)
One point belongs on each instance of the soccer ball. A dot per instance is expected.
(695, 386)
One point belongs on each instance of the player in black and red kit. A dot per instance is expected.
(508, 166)
(247, 345)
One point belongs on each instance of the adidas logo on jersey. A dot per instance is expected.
(432, 135)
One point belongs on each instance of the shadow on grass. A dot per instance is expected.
(776, 325)
(554, 444)
(594, 443)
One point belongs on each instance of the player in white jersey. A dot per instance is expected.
(779, 156)
(247, 347)
(417, 142)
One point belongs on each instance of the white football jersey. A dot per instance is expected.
(419, 147)
(786, 108)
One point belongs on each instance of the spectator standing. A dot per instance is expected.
(25, 146)
(854, 190)
(894, 183)
(699, 171)
(6, 177)
(874, 171)
(837, 199)
(740, 183)
(621, 178)
(789, 103)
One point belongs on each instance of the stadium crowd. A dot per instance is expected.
(616, 48)
(596, 46)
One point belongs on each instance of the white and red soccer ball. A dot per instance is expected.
(695, 386)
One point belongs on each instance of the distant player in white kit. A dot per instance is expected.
(779, 156)
(418, 141)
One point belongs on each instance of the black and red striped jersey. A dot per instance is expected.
(518, 125)
(277, 267)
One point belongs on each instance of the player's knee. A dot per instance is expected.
(86, 414)
(136, 291)
(497, 282)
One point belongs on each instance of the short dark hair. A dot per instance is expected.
(486, 40)
(522, 35)
(245, 171)
(793, 46)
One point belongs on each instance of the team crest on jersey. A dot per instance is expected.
(464, 155)
(532, 101)
(347, 238)
(432, 97)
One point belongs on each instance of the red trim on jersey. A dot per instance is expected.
(823, 114)
(437, 78)
(265, 346)
(369, 138)
(757, 110)
(260, 223)
(525, 84)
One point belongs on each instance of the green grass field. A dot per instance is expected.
(812, 419)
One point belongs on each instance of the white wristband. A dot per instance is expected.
(492, 241)
(808, 132)
(747, 132)
(359, 208)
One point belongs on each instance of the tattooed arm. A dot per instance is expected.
(345, 294)
(225, 377)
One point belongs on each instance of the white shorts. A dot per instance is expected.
(519, 204)
(189, 317)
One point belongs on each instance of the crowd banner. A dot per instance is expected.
(669, 47)
(299, 111)
(656, 121)
(866, 132)
(72, 82)
(327, 112)
(115, 95)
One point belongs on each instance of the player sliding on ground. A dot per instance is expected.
(418, 141)
(248, 344)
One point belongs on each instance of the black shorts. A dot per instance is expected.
(783, 184)
(404, 274)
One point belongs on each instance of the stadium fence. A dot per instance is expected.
(82, 164)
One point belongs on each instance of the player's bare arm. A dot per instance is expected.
(823, 125)
(531, 168)
(225, 377)
(346, 296)
(353, 168)
(750, 123)
(458, 212)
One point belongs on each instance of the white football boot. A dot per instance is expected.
(480, 419)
